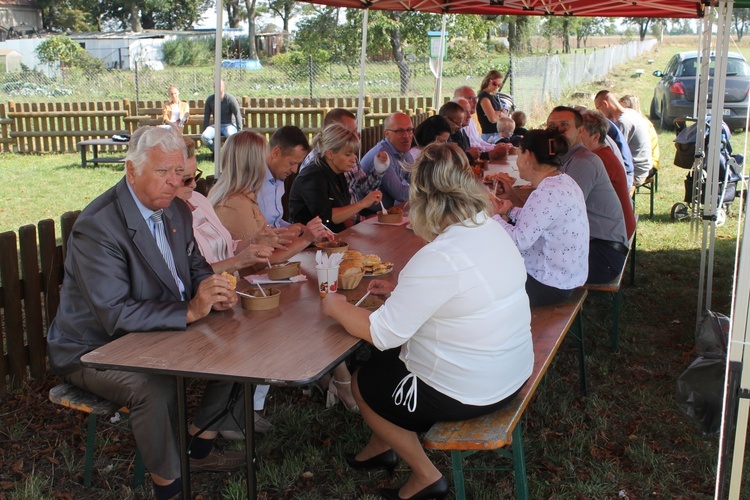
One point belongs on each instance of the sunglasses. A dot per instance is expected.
(189, 180)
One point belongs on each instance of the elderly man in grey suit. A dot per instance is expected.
(133, 265)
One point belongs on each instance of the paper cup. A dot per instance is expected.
(260, 303)
(328, 280)
(283, 271)
(330, 247)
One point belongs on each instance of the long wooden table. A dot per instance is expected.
(293, 345)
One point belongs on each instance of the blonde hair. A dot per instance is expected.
(335, 137)
(506, 124)
(243, 160)
(443, 191)
(630, 101)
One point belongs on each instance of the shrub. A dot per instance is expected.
(188, 52)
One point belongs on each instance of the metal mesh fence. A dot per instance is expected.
(534, 80)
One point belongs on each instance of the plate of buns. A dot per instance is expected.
(370, 264)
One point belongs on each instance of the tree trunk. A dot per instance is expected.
(233, 13)
(135, 18)
(566, 35)
(250, 6)
(398, 54)
(518, 41)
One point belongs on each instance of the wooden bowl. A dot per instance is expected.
(350, 282)
(283, 270)
(260, 303)
(370, 303)
(330, 247)
(389, 218)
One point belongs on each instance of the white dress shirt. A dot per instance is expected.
(461, 315)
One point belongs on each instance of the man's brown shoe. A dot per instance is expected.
(219, 461)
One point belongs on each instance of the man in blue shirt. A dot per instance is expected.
(399, 134)
(288, 147)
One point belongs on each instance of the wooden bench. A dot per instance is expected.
(95, 145)
(549, 325)
(611, 291)
(652, 185)
(75, 398)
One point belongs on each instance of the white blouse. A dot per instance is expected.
(552, 233)
(461, 315)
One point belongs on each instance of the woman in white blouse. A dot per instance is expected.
(550, 228)
(454, 332)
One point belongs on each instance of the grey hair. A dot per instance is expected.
(336, 137)
(444, 191)
(243, 160)
(145, 139)
(595, 122)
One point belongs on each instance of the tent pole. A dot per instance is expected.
(217, 87)
(362, 58)
(439, 86)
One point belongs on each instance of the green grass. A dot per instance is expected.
(626, 439)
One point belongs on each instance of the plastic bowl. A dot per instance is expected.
(283, 270)
(257, 302)
(330, 247)
(370, 303)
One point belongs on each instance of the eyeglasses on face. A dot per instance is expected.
(401, 130)
(189, 180)
(496, 84)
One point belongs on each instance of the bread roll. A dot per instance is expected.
(232, 280)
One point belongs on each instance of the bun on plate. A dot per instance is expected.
(350, 267)
(353, 254)
(371, 260)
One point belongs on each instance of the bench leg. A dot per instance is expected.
(615, 319)
(578, 333)
(519, 465)
(89, 462)
(458, 474)
(139, 470)
(651, 196)
(632, 258)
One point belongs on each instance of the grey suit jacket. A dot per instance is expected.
(116, 280)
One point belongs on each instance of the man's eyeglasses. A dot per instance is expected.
(189, 180)
(454, 122)
(401, 130)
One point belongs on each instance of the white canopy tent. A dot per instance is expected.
(737, 396)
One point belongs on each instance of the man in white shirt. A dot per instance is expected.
(490, 151)
(288, 147)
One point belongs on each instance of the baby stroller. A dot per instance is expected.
(730, 170)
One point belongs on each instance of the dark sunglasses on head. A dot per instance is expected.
(189, 180)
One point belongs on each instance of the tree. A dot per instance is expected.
(286, 10)
(519, 35)
(73, 15)
(152, 14)
(235, 13)
(584, 27)
(61, 50)
(641, 23)
(741, 21)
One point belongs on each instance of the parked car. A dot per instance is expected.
(674, 95)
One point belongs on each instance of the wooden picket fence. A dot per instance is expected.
(58, 127)
(31, 272)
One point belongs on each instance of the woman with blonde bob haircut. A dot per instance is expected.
(321, 188)
(454, 333)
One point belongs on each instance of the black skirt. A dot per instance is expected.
(380, 377)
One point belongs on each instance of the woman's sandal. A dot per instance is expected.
(333, 395)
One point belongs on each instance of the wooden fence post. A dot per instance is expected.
(12, 307)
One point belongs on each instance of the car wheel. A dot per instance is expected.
(652, 113)
(664, 123)
(679, 211)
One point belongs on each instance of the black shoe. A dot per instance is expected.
(437, 490)
(386, 460)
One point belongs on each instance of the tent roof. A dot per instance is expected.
(588, 8)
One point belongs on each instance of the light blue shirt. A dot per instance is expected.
(269, 200)
(395, 181)
(146, 213)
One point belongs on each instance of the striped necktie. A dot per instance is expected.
(163, 244)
